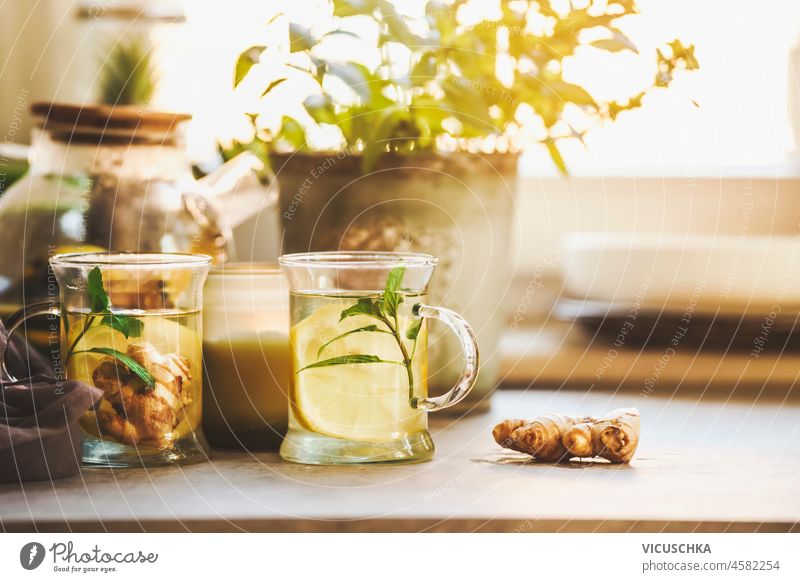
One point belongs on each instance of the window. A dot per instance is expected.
(747, 92)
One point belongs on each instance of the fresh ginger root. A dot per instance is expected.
(503, 431)
(556, 437)
(143, 417)
(540, 437)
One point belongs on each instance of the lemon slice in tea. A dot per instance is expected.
(361, 402)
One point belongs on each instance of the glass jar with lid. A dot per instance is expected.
(246, 356)
(113, 179)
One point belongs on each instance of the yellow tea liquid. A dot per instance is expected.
(246, 389)
(130, 414)
(360, 402)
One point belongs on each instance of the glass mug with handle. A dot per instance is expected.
(132, 327)
(358, 389)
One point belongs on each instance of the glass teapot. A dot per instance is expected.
(115, 179)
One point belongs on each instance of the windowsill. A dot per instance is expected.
(786, 170)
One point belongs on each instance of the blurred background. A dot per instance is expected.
(667, 254)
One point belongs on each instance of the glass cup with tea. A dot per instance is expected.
(132, 326)
(358, 390)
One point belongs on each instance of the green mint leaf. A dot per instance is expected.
(413, 330)
(365, 306)
(98, 298)
(132, 365)
(366, 328)
(101, 304)
(385, 306)
(391, 296)
(394, 279)
(128, 326)
(351, 359)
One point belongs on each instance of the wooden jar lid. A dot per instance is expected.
(95, 123)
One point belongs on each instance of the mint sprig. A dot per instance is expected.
(391, 297)
(129, 326)
(125, 324)
(132, 365)
(98, 298)
(385, 309)
(350, 359)
(365, 306)
(347, 333)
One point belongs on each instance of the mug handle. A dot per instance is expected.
(18, 318)
(469, 345)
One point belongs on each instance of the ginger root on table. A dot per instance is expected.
(557, 437)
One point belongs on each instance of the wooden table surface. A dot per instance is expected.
(702, 465)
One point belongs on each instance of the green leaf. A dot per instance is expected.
(468, 105)
(379, 135)
(100, 303)
(351, 359)
(355, 75)
(570, 92)
(340, 31)
(615, 108)
(477, 66)
(128, 326)
(344, 8)
(429, 115)
(611, 45)
(397, 25)
(272, 85)
(619, 42)
(425, 69)
(246, 61)
(442, 17)
(274, 18)
(98, 298)
(366, 328)
(132, 365)
(300, 38)
(413, 330)
(685, 53)
(453, 73)
(555, 154)
(628, 6)
(292, 133)
(391, 296)
(320, 108)
(365, 306)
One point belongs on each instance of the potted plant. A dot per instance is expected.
(412, 143)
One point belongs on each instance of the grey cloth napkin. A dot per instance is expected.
(39, 432)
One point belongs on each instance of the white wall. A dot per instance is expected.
(550, 207)
(39, 54)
